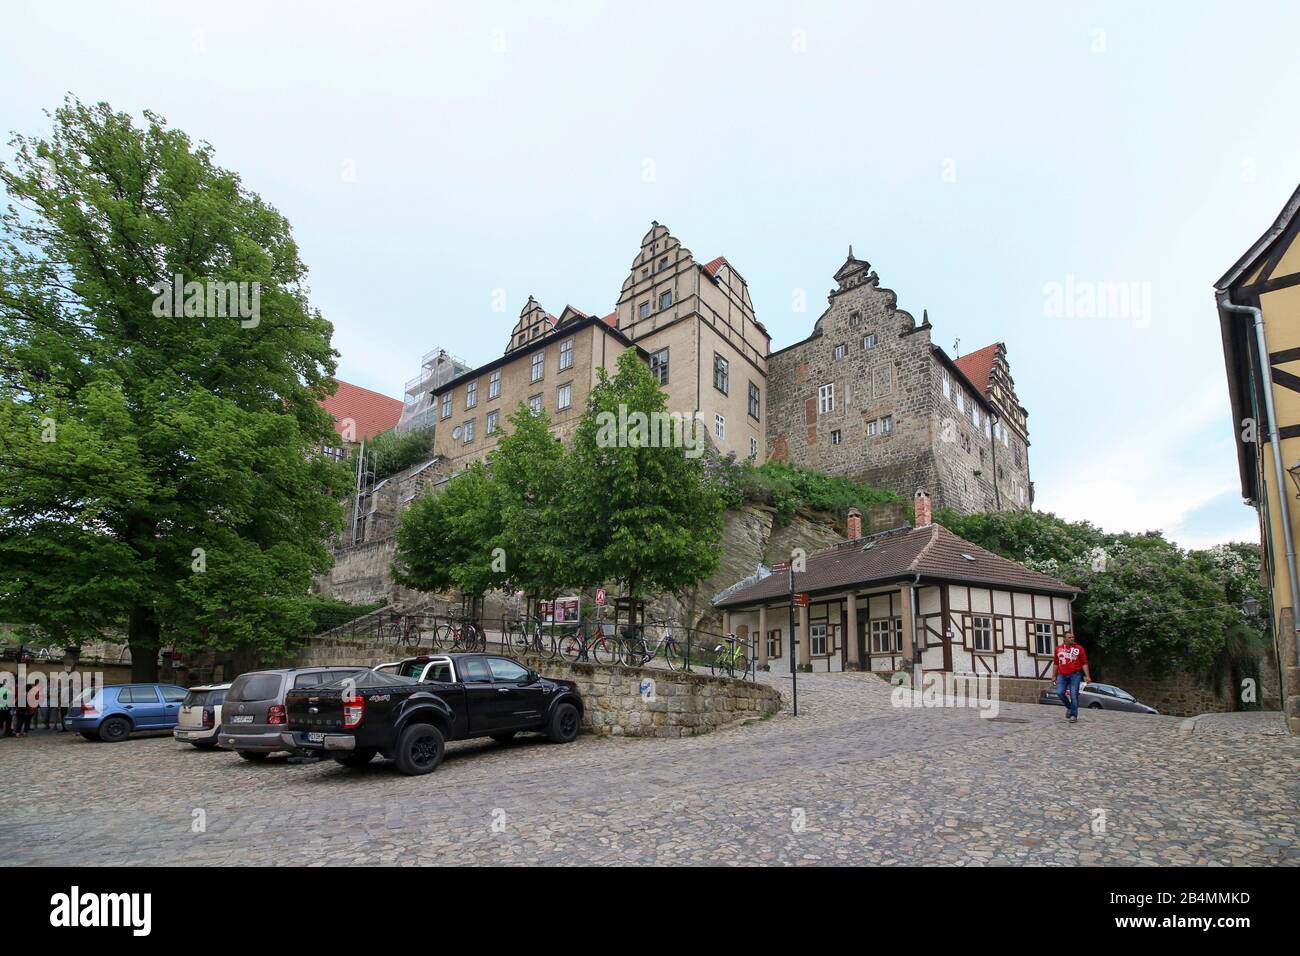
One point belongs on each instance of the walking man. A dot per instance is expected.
(1071, 662)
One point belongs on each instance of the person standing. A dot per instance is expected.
(1071, 662)
(6, 710)
(27, 709)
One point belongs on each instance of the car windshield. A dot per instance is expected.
(197, 698)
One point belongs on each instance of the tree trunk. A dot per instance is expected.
(142, 636)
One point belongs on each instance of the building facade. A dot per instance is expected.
(869, 396)
(550, 364)
(697, 325)
(912, 595)
(1259, 314)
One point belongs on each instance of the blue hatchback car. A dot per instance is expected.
(114, 713)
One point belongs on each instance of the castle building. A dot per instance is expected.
(869, 396)
(692, 323)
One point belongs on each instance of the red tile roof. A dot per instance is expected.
(933, 551)
(712, 267)
(978, 366)
(611, 320)
(370, 412)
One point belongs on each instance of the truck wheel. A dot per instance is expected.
(419, 749)
(256, 756)
(564, 724)
(504, 738)
(357, 758)
(114, 729)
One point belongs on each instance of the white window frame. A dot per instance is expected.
(659, 368)
(841, 351)
(947, 384)
(826, 398)
(564, 396)
(869, 341)
(538, 369)
(494, 384)
(816, 640)
(719, 426)
(445, 411)
(1038, 635)
(566, 354)
(887, 424)
(886, 635)
(836, 436)
(471, 394)
(535, 403)
(872, 427)
(493, 422)
(978, 631)
(753, 448)
(467, 432)
(666, 294)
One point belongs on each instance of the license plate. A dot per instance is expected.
(242, 719)
(314, 738)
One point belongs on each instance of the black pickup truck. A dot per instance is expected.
(408, 710)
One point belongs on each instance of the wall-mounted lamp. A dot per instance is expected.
(1294, 472)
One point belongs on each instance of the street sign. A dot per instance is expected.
(801, 599)
(600, 597)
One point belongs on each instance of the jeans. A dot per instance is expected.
(1067, 688)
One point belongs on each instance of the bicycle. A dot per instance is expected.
(404, 631)
(730, 658)
(577, 646)
(639, 650)
(526, 636)
(461, 636)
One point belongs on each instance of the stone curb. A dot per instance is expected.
(1188, 726)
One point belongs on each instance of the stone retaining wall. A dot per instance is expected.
(619, 701)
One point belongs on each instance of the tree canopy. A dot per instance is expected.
(1145, 601)
(158, 438)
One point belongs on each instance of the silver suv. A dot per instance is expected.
(253, 718)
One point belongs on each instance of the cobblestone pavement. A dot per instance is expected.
(852, 780)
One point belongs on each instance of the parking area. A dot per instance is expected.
(852, 780)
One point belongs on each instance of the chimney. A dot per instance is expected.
(921, 505)
(855, 524)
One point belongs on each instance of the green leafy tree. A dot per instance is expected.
(643, 514)
(157, 465)
(1145, 602)
(449, 539)
(530, 469)
(392, 451)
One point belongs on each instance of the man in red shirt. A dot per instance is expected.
(1071, 662)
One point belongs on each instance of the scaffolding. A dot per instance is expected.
(437, 368)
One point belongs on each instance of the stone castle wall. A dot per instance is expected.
(619, 701)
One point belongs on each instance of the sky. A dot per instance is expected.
(440, 163)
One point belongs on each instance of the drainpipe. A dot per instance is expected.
(1284, 505)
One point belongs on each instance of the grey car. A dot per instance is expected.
(253, 718)
(1102, 697)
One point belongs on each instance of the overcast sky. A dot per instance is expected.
(982, 157)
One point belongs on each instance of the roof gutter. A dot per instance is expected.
(1284, 505)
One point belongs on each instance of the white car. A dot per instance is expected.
(200, 716)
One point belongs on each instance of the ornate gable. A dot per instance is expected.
(534, 322)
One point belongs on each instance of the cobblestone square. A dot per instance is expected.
(851, 780)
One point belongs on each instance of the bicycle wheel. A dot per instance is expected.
(413, 636)
(638, 652)
(673, 654)
(570, 647)
(602, 650)
(519, 638)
